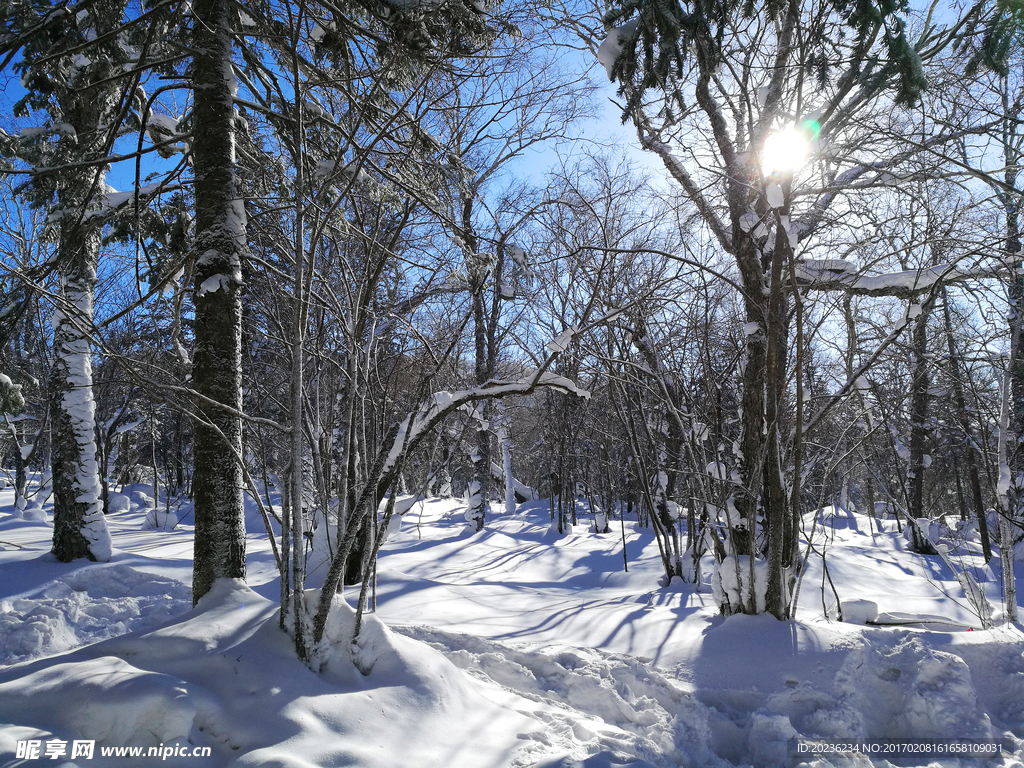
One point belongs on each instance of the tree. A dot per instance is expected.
(725, 79)
(220, 241)
(86, 110)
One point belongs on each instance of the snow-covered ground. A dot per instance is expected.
(510, 647)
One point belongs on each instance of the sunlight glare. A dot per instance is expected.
(784, 151)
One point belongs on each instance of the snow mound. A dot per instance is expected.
(254, 523)
(604, 709)
(86, 606)
(900, 688)
(33, 513)
(117, 503)
(160, 520)
(859, 611)
(608, 709)
(105, 699)
(141, 500)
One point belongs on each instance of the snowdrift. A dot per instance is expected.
(510, 647)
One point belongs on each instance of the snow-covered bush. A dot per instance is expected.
(34, 512)
(117, 503)
(932, 531)
(159, 520)
(141, 500)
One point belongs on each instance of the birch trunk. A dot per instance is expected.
(79, 528)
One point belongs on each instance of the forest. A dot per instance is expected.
(324, 297)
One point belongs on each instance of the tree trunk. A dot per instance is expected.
(919, 401)
(79, 529)
(778, 521)
(967, 445)
(218, 249)
(752, 423)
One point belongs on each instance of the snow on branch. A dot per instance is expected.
(835, 274)
(432, 411)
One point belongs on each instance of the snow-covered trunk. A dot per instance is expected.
(219, 245)
(79, 529)
(1014, 259)
(476, 495)
(666, 493)
(506, 462)
(752, 404)
(865, 450)
(763, 382)
(21, 453)
(478, 269)
(153, 463)
(20, 480)
(1014, 421)
(778, 521)
(481, 483)
(503, 419)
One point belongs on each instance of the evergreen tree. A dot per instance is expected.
(67, 68)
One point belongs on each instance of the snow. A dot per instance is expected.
(561, 342)
(750, 221)
(611, 47)
(776, 199)
(559, 382)
(319, 31)
(34, 132)
(830, 265)
(717, 470)
(349, 172)
(215, 283)
(164, 123)
(85, 606)
(901, 450)
(913, 281)
(511, 647)
(1005, 479)
(731, 581)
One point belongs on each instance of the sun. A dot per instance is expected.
(785, 151)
